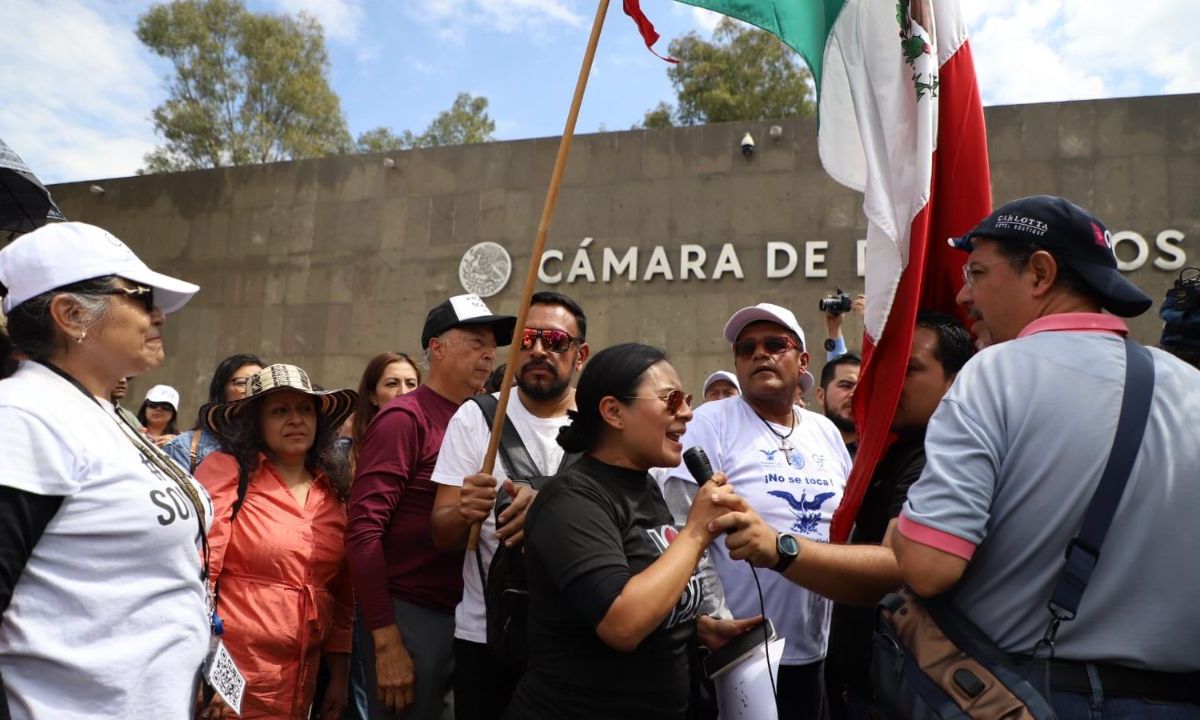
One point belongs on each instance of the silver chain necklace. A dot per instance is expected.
(785, 444)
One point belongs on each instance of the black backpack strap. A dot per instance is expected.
(1083, 552)
(518, 463)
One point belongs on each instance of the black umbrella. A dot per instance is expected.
(25, 204)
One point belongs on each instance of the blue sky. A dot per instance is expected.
(80, 87)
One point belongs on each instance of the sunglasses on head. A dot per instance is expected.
(556, 341)
(675, 400)
(773, 344)
(138, 293)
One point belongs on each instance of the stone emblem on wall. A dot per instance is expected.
(485, 269)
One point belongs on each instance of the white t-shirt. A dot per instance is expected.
(461, 454)
(796, 497)
(108, 617)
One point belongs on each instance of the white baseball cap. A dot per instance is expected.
(164, 394)
(721, 375)
(771, 313)
(63, 253)
(762, 311)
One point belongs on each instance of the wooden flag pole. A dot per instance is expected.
(539, 244)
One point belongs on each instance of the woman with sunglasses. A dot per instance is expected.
(278, 565)
(228, 384)
(102, 598)
(158, 412)
(614, 596)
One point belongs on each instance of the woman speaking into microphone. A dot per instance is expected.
(614, 596)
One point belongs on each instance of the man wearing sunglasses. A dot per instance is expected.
(553, 349)
(790, 465)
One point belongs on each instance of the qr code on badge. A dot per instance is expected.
(224, 677)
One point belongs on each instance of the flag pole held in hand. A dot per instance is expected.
(539, 244)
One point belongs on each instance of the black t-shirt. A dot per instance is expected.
(849, 660)
(592, 519)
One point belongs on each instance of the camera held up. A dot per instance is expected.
(835, 304)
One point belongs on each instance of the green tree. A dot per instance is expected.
(465, 122)
(245, 87)
(742, 74)
(382, 139)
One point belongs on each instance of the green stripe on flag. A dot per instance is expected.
(803, 25)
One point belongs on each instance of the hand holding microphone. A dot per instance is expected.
(714, 498)
(747, 537)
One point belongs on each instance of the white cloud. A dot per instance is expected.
(706, 19)
(1053, 50)
(509, 16)
(342, 19)
(79, 88)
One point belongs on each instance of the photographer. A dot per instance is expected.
(835, 306)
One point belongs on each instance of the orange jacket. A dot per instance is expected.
(284, 583)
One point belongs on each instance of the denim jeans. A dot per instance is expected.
(1081, 706)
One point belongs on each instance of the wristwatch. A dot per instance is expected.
(788, 548)
(830, 344)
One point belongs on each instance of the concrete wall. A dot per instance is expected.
(324, 263)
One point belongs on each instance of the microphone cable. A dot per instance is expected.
(699, 466)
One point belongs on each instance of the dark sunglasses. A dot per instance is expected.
(556, 341)
(675, 400)
(773, 344)
(160, 406)
(138, 293)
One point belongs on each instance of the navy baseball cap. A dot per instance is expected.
(1076, 238)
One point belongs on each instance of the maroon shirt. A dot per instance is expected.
(388, 532)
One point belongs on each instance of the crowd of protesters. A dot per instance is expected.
(345, 551)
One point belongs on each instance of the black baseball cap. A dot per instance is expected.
(1076, 238)
(462, 310)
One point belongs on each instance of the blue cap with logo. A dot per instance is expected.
(1075, 237)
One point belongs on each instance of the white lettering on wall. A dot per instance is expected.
(773, 269)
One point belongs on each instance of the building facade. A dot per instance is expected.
(659, 234)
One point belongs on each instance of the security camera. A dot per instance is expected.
(747, 145)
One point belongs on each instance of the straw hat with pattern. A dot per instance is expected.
(334, 406)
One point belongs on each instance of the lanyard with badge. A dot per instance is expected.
(220, 670)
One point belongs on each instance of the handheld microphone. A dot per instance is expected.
(698, 464)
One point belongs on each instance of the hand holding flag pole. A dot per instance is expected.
(539, 244)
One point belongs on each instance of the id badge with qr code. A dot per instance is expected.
(224, 677)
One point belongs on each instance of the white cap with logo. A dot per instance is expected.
(770, 313)
(60, 254)
(164, 394)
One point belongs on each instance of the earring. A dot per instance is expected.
(82, 335)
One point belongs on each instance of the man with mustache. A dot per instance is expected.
(406, 587)
(839, 378)
(791, 466)
(553, 349)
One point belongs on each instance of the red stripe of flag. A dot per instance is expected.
(960, 196)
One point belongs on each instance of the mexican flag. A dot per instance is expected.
(900, 120)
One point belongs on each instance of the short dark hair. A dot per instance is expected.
(830, 369)
(549, 297)
(1018, 255)
(954, 347)
(614, 371)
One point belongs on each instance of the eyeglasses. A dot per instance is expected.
(675, 400)
(556, 341)
(970, 270)
(138, 293)
(773, 344)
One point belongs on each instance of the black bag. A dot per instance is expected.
(929, 661)
(505, 591)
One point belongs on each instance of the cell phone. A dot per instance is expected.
(737, 649)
